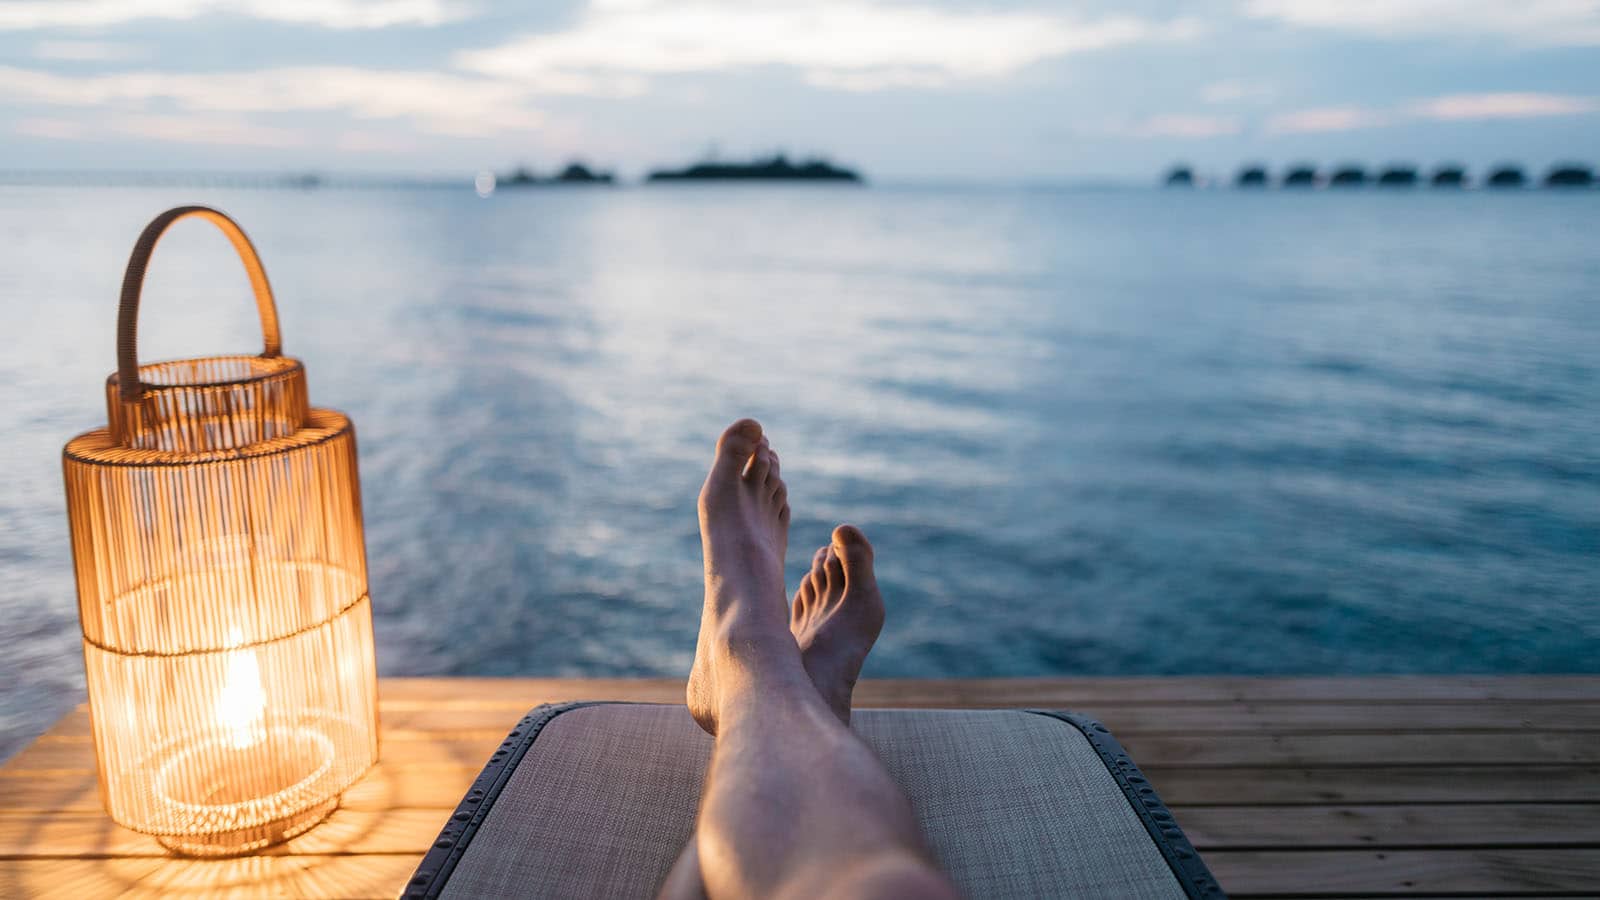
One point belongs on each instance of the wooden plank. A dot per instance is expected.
(528, 692)
(383, 829)
(441, 787)
(1348, 718)
(1344, 826)
(1108, 693)
(73, 879)
(1156, 751)
(407, 779)
(1496, 872)
(1046, 692)
(386, 786)
(1303, 750)
(401, 716)
(1495, 748)
(1177, 719)
(48, 755)
(374, 876)
(68, 834)
(1376, 784)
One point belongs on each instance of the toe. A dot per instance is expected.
(775, 466)
(835, 572)
(852, 546)
(806, 596)
(760, 465)
(736, 445)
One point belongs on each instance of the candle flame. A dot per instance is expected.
(242, 705)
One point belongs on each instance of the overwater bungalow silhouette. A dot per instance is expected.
(1180, 176)
(1449, 175)
(1251, 177)
(1348, 176)
(1507, 176)
(1303, 175)
(1398, 176)
(1569, 175)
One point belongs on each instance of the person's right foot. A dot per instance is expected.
(837, 615)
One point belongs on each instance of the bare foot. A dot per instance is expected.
(744, 532)
(837, 614)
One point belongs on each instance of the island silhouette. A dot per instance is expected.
(574, 173)
(775, 168)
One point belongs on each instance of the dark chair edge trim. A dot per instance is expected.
(1187, 866)
(434, 871)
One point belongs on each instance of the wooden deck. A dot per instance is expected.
(1365, 787)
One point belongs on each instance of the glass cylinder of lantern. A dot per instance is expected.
(222, 587)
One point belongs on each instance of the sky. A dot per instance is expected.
(902, 89)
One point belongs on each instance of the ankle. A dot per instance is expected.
(755, 652)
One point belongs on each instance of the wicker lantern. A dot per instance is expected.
(222, 587)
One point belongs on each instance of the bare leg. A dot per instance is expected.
(795, 804)
(835, 617)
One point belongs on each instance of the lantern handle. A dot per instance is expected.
(128, 384)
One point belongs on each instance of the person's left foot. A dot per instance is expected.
(744, 530)
(837, 615)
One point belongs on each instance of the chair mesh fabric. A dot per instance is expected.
(1013, 804)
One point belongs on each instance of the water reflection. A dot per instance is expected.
(1104, 432)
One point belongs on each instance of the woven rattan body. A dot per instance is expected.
(222, 587)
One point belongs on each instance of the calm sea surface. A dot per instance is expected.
(1090, 432)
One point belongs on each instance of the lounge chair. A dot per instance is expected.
(598, 799)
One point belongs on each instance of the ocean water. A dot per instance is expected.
(1089, 431)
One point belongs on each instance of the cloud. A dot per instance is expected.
(52, 129)
(1448, 108)
(86, 51)
(338, 14)
(354, 141)
(226, 131)
(1234, 91)
(223, 130)
(844, 44)
(868, 80)
(1328, 118)
(1548, 22)
(436, 102)
(1504, 106)
(1181, 126)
